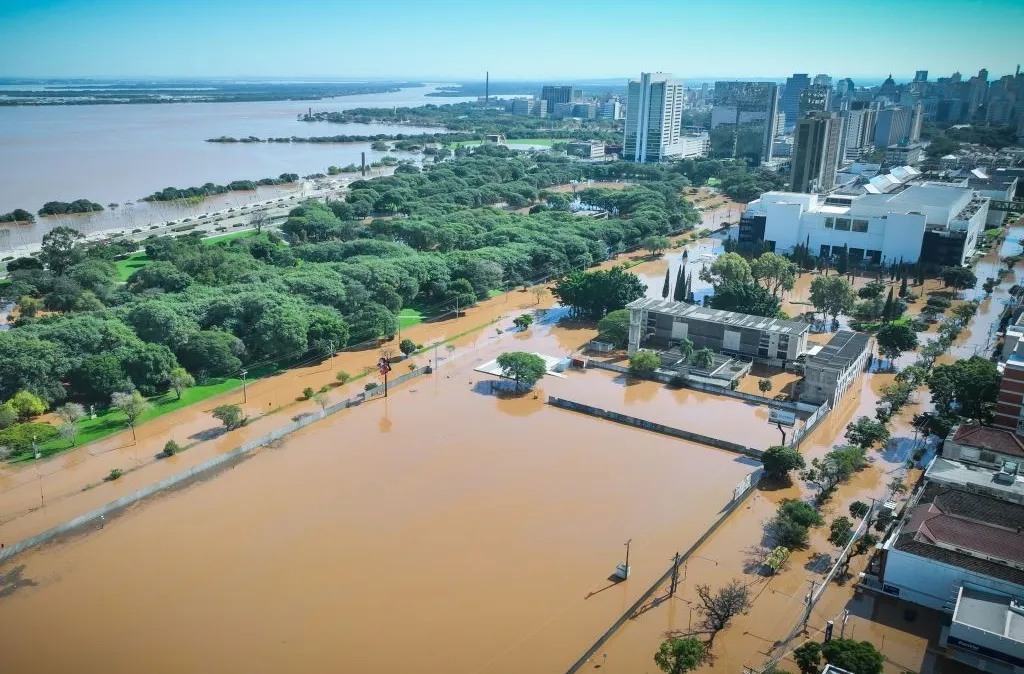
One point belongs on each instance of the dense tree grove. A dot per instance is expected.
(422, 239)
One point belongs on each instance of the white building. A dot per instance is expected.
(611, 109)
(694, 145)
(654, 116)
(936, 223)
(904, 155)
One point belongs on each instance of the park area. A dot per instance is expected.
(490, 522)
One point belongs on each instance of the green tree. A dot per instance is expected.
(843, 262)
(70, 413)
(373, 322)
(159, 275)
(834, 468)
(857, 657)
(407, 347)
(656, 245)
(342, 377)
(840, 532)
(59, 250)
(667, 285)
(7, 415)
(774, 272)
(525, 369)
(171, 448)
(703, 359)
(523, 321)
(745, 298)
(894, 339)
(679, 655)
(808, 657)
(131, 405)
(461, 294)
(764, 385)
(859, 509)
(959, 278)
(971, 385)
(180, 380)
(27, 405)
(865, 432)
(832, 295)
(212, 353)
(801, 512)
(779, 460)
(728, 267)
(679, 293)
(230, 415)
(644, 361)
(594, 294)
(686, 349)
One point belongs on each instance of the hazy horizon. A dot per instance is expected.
(457, 40)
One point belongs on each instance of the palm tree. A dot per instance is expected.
(686, 349)
(704, 358)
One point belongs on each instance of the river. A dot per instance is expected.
(121, 153)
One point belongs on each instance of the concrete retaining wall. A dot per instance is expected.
(638, 604)
(208, 466)
(655, 427)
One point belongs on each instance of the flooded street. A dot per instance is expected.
(440, 512)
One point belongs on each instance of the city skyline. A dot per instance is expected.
(426, 41)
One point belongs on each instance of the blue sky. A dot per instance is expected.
(524, 39)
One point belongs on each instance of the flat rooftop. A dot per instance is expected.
(698, 313)
(844, 348)
(953, 473)
(989, 612)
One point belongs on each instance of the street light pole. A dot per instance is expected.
(245, 394)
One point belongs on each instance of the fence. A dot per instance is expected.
(809, 425)
(222, 461)
(755, 479)
(655, 427)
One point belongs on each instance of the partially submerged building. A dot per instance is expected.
(657, 324)
(830, 372)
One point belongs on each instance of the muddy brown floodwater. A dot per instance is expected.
(475, 530)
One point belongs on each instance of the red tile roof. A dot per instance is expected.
(940, 523)
(992, 439)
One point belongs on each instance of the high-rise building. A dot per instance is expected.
(557, 94)
(814, 97)
(889, 89)
(816, 152)
(893, 126)
(852, 142)
(743, 120)
(654, 117)
(791, 97)
(916, 122)
(921, 76)
(822, 80)
(611, 109)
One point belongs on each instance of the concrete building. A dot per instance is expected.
(904, 155)
(586, 110)
(694, 145)
(790, 103)
(1009, 413)
(654, 115)
(856, 134)
(611, 109)
(526, 107)
(814, 98)
(921, 76)
(892, 126)
(772, 341)
(743, 120)
(990, 448)
(816, 152)
(590, 149)
(830, 372)
(562, 110)
(555, 94)
(936, 223)
(959, 548)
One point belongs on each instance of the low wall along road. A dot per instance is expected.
(204, 469)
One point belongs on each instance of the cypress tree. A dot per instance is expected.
(665, 287)
(903, 287)
(887, 309)
(920, 273)
(680, 292)
(843, 265)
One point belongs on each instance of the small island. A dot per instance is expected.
(18, 215)
(67, 208)
(211, 189)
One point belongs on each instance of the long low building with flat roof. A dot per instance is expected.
(829, 373)
(938, 224)
(658, 323)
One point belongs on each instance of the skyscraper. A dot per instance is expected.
(814, 97)
(743, 120)
(816, 152)
(921, 76)
(823, 80)
(654, 117)
(791, 97)
(557, 94)
(894, 126)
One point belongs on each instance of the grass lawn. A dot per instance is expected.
(994, 232)
(131, 264)
(409, 317)
(495, 293)
(108, 422)
(714, 182)
(221, 238)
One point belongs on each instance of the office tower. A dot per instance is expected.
(822, 80)
(815, 152)
(791, 97)
(893, 126)
(611, 109)
(916, 121)
(743, 120)
(844, 87)
(852, 141)
(654, 115)
(557, 94)
(921, 76)
(814, 97)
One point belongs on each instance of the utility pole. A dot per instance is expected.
(245, 394)
(332, 353)
(675, 576)
(809, 601)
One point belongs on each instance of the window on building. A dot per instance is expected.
(824, 251)
(829, 223)
(860, 226)
(842, 224)
(987, 457)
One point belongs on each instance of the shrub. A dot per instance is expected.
(115, 474)
(308, 392)
(940, 303)
(19, 436)
(343, 377)
(171, 448)
(644, 362)
(370, 385)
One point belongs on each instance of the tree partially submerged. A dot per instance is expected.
(678, 655)
(719, 608)
(525, 369)
(779, 460)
